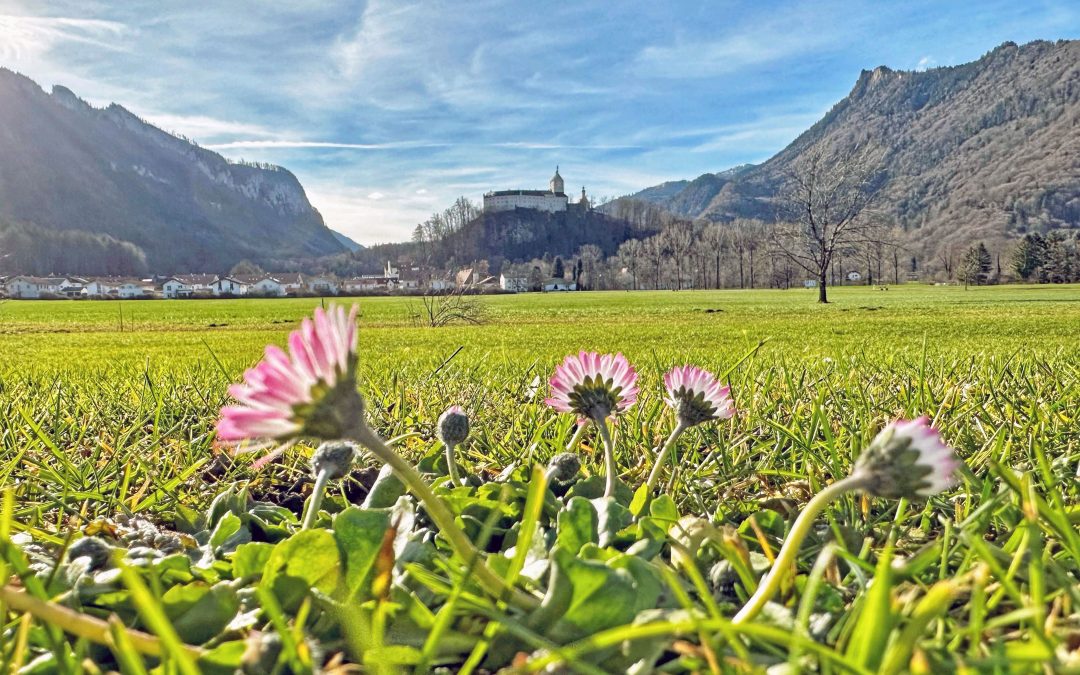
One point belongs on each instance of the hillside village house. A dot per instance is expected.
(187, 286)
(291, 282)
(321, 285)
(228, 286)
(262, 285)
(513, 284)
(559, 285)
(33, 287)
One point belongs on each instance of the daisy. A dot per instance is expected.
(594, 387)
(308, 391)
(697, 397)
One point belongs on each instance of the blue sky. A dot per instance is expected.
(388, 110)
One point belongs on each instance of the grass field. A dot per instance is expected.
(108, 407)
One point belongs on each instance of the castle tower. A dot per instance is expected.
(556, 184)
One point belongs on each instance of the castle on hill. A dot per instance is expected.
(552, 200)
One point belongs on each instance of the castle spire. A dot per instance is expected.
(556, 184)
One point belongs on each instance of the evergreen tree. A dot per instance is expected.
(1028, 256)
(976, 265)
(560, 270)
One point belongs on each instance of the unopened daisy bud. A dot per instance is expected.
(335, 458)
(261, 653)
(907, 459)
(453, 426)
(331, 461)
(93, 548)
(563, 467)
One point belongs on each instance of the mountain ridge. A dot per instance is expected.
(972, 151)
(66, 165)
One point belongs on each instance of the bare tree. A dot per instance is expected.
(715, 240)
(823, 208)
(630, 255)
(678, 239)
(655, 251)
(460, 305)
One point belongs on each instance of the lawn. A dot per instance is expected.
(107, 410)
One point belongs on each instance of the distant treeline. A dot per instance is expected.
(31, 249)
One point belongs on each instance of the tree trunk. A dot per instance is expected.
(822, 295)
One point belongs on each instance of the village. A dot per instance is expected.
(409, 280)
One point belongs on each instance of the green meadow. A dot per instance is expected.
(107, 408)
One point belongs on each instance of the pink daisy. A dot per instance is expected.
(593, 386)
(292, 394)
(908, 459)
(697, 396)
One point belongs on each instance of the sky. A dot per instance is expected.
(388, 110)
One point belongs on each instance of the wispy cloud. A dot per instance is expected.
(28, 37)
(271, 144)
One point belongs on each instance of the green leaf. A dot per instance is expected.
(641, 496)
(577, 525)
(310, 556)
(225, 659)
(600, 598)
(250, 558)
(663, 509)
(359, 534)
(876, 618)
(208, 616)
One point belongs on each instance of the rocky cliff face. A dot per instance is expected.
(65, 165)
(985, 150)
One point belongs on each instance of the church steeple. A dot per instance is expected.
(556, 183)
(584, 200)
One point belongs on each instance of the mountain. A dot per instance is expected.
(984, 150)
(66, 166)
(348, 243)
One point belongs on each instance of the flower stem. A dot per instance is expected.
(451, 466)
(83, 625)
(443, 518)
(311, 510)
(662, 455)
(784, 560)
(576, 438)
(609, 458)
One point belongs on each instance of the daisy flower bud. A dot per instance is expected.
(335, 458)
(309, 391)
(907, 459)
(697, 396)
(93, 548)
(563, 467)
(593, 386)
(453, 426)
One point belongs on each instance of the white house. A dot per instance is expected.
(554, 284)
(853, 276)
(228, 286)
(442, 284)
(264, 286)
(134, 288)
(291, 282)
(101, 288)
(175, 287)
(513, 284)
(31, 287)
(322, 285)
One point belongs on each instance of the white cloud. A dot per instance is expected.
(203, 128)
(289, 144)
(422, 191)
(926, 62)
(375, 196)
(26, 38)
